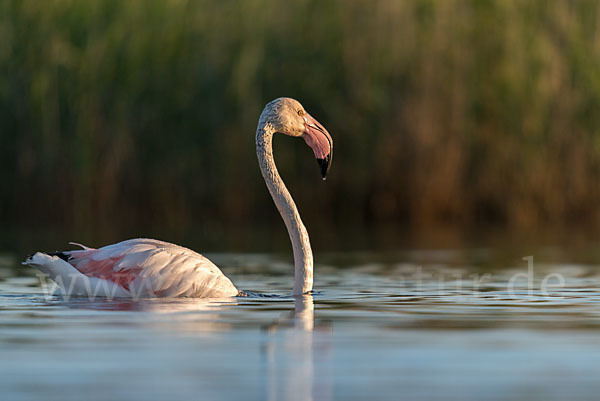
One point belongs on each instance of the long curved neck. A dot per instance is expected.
(303, 259)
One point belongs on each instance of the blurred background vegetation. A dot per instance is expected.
(137, 118)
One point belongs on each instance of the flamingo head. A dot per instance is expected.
(287, 116)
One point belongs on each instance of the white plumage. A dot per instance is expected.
(139, 268)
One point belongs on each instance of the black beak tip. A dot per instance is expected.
(324, 164)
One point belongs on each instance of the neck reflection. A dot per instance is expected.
(298, 358)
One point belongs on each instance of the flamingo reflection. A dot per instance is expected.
(298, 356)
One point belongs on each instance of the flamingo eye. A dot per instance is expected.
(300, 112)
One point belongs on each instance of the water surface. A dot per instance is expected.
(428, 324)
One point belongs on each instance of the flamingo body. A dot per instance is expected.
(137, 268)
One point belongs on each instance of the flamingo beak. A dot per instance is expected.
(317, 137)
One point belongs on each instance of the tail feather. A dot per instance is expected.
(37, 259)
(49, 262)
(85, 248)
(72, 281)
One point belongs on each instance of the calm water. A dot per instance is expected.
(432, 325)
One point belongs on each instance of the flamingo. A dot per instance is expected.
(147, 267)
